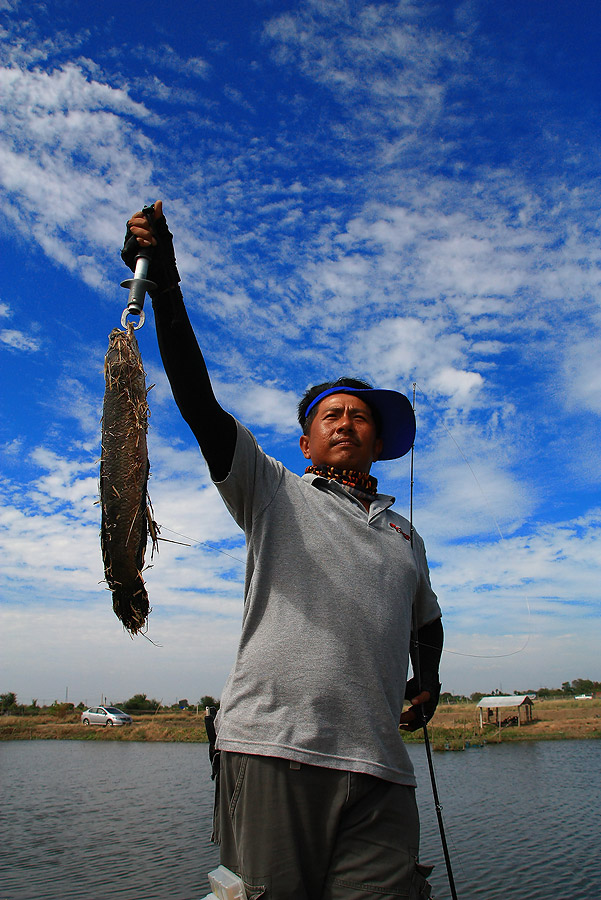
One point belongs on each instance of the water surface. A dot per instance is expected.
(104, 820)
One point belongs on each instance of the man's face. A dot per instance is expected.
(342, 434)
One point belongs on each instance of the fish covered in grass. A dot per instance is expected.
(124, 469)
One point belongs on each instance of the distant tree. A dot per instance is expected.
(208, 701)
(582, 686)
(8, 701)
(141, 703)
(447, 697)
(546, 693)
(476, 697)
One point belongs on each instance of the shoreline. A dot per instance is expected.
(453, 727)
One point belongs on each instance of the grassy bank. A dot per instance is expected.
(163, 726)
(457, 726)
(454, 727)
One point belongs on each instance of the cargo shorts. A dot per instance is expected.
(302, 832)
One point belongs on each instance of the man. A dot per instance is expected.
(315, 791)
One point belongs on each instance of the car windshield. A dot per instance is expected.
(114, 710)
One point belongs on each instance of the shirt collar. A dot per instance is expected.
(379, 503)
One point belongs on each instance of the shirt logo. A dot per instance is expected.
(399, 530)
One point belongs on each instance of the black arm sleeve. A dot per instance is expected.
(425, 657)
(212, 426)
(425, 654)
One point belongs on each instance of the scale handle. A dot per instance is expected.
(139, 284)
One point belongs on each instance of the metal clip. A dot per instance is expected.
(126, 313)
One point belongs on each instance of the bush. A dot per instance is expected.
(140, 703)
(208, 701)
(8, 702)
(61, 710)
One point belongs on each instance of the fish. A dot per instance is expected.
(126, 512)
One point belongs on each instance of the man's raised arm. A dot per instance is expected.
(212, 426)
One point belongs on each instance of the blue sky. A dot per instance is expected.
(407, 192)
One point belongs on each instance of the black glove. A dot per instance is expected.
(424, 711)
(162, 268)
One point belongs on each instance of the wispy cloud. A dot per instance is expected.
(62, 127)
(17, 340)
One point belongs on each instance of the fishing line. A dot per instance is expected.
(521, 649)
(201, 543)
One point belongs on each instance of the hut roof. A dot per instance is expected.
(494, 702)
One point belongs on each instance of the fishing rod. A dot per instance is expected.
(420, 711)
(139, 284)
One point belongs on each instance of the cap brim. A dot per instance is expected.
(398, 421)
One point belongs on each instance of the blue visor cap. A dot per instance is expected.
(396, 415)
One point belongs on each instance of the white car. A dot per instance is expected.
(105, 715)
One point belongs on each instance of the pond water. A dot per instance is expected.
(108, 820)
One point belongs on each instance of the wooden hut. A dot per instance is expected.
(497, 710)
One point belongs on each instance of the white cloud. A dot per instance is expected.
(166, 57)
(582, 375)
(49, 534)
(376, 55)
(13, 448)
(431, 351)
(261, 405)
(63, 128)
(456, 384)
(17, 340)
(75, 401)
